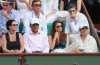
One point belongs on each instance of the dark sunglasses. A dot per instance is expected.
(37, 5)
(59, 26)
(14, 25)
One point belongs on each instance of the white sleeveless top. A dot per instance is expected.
(22, 7)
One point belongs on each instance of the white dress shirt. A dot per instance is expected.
(73, 27)
(89, 44)
(41, 19)
(36, 42)
(47, 7)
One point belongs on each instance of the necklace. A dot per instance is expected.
(12, 34)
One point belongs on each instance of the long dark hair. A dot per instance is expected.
(62, 36)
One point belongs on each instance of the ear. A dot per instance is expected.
(9, 27)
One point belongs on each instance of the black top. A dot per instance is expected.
(66, 3)
(12, 45)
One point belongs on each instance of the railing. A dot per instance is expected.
(91, 24)
(50, 59)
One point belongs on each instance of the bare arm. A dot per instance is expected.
(21, 43)
(61, 5)
(67, 42)
(51, 13)
(29, 5)
(14, 5)
(51, 42)
(4, 45)
(79, 5)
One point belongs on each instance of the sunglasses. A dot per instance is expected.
(37, 5)
(84, 28)
(14, 25)
(72, 10)
(59, 26)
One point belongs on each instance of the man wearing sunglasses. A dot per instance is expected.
(35, 41)
(74, 19)
(35, 13)
(7, 13)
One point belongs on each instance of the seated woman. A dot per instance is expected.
(12, 42)
(86, 43)
(58, 39)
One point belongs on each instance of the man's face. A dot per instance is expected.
(7, 6)
(72, 12)
(34, 27)
(36, 6)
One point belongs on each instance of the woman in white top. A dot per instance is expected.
(49, 9)
(23, 6)
(86, 42)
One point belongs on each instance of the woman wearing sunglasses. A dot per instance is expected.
(12, 42)
(58, 39)
(86, 42)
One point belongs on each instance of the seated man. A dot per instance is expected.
(35, 13)
(7, 13)
(74, 19)
(35, 41)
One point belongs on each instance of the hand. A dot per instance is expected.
(11, 51)
(17, 51)
(73, 16)
(56, 35)
(47, 16)
(5, 13)
(74, 50)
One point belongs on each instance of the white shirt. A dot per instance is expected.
(73, 27)
(36, 42)
(48, 6)
(41, 19)
(89, 44)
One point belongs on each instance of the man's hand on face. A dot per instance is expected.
(73, 16)
(4, 12)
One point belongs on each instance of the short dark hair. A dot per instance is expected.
(9, 23)
(72, 5)
(35, 1)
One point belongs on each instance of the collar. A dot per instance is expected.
(33, 14)
(31, 33)
(76, 16)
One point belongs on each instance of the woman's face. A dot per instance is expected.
(58, 27)
(84, 30)
(13, 26)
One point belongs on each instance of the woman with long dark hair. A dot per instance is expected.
(58, 39)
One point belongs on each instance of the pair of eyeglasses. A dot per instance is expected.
(6, 5)
(72, 10)
(84, 28)
(14, 25)
(59, 26)
(37, 5)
